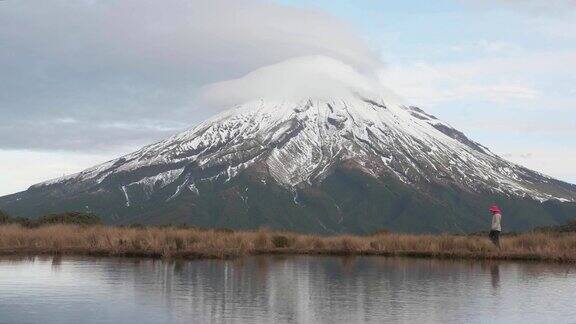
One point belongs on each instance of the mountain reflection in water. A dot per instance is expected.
(283, 289)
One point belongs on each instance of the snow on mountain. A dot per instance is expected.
(300, 141)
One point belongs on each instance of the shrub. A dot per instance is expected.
(23, 221)
(5, 218)
(224, 230)
(280, 241)
(77, 218)
(380, 232)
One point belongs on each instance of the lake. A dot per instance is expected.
(283, 289)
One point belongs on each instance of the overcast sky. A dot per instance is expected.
(86, 81)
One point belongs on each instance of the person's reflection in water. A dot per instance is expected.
(495, 275)
(56, 263)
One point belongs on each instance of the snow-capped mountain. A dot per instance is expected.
(300, 149)
(300, 142)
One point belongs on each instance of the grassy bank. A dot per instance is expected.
(172, 242)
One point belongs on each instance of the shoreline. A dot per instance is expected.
(277, 252)
(178, 243)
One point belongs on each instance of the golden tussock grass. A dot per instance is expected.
(172, 242)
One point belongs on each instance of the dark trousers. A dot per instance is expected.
(495, 237)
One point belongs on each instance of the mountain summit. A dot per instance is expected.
(352, 163)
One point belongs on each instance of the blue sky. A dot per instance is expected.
(504, 72)
(87, 81)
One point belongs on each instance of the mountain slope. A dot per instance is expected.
(348, 164)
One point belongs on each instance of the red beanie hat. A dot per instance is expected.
(494, 208)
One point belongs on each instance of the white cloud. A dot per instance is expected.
(499, 80)
(426, 85)
(107, 76)
(535, 7)
(101, 62)
(293, 79)
(23, 168)
(544, 127)
(487, 47)
(555, 162)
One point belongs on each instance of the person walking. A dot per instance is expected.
(496, 227)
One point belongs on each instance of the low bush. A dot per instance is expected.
(380, 232)
(5, 218)
(77, 218)
(280, 241)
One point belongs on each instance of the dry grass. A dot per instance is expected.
(195, 243)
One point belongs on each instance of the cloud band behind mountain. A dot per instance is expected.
(96, 63)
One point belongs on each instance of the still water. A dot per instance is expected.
(276, 289)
